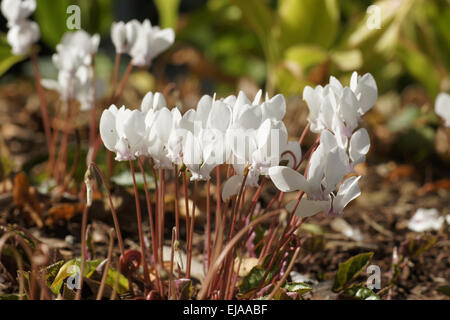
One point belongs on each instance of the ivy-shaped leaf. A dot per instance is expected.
(350, 269)
(361, 292)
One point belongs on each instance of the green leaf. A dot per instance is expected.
(52, 271)
(7, 59)
(51, 16)
(70, 268)
(111, 280)
(361, 292)
(299, 287)
(13, 296)
(168, 12)
(445, 290)
(350, 269)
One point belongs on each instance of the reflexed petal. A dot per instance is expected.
(287, 179)
(292, 152)
(349, 108)
(134, 128)
(308, 208)
(348, 191)
(219, 117)
(231, 187)
(367, 88)
(163, 124)
(163, 40)
(204, 108)
(108, 131)
(274, 108)
(359, 145)
(257, 99)
(316, 168)
(335, 170)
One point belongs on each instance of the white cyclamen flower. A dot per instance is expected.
(124, 35)
(16, 11)
(76, 49)
(123, 132)
(442, 107)
(328, 165)
(425, 220)
(22, 36)
(339, 108)
(150, 42)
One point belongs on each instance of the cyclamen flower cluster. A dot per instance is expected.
(141, 41)
(232, 130)
(334, 113)
(22, 33)
(252, 137)
(73, 58)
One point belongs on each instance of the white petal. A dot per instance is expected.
(163, 124)
(359, 145)
(348, 191)
(107, 129)
(316, 168)
(287, 179)
(292, 152)
(231, 187)
(274, 108)
(335, 170)
(308, 208)
(367, 88)
(204, 106)
(219, 117)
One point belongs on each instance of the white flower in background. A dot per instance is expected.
(23, 33)
(16, 11)
(339, 108)
(22, 36)
(123, 132)
(150, 42)
(75, 49)
(442, 107)
(425, 220)
(124, 35)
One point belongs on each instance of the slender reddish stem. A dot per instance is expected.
(150, 217)
(124, 80)
(188, 225)
(44, 110)
(113, 210)
(139, 221)
(208, 225)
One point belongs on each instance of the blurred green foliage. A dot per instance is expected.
(51, 15)
(297, 38)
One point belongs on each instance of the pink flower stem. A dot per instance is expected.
(113, 210)
(150, 217)
(139, 222)
(44, 110)
(188, 226)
